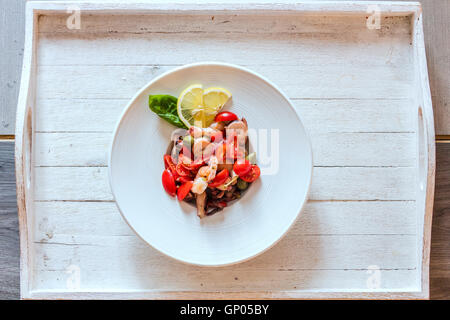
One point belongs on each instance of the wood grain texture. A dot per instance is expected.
(437, 32)
(57, 220)
(320, 116)
(9, 228)
(70, 166)
(64, 66)
(229, 23)
(328, 183)
(11, 53)
(351, 83)
(330, 149)
(440, 239)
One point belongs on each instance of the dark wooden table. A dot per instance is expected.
(9, 227)
(437, 33)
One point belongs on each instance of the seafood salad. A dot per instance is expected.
(208, 164)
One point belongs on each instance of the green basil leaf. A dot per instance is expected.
(165, 106)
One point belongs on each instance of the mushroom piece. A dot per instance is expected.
(201, 203)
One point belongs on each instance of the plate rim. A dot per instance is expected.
(206, 64)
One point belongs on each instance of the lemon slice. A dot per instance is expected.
(214, 98)
(190, 105)
(199, 107)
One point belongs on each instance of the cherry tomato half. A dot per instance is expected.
(220, 178)
(252, 175)
(168, 182)
(183, 170)
(168, 163)
(184, 189)
(225, 116)
(241, 168)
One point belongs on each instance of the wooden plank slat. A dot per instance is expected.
(319, 116)
(199, 281)
(222, 23)
(363, 184)
(334, 48)
(60, 183)
(342, 81)
(57, 220)
(330, 149)
(91, 183)
(326, 251)
(128, 260)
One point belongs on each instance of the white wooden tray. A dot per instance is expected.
(362, 93)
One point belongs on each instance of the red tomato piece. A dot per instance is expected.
(195, 165)
(225, 116)
(184, 189)
(183, 170)
(184, 179)
(252, 175)
(220, 178)
(169, 182)
(241, 168)
(168, 162)
(167, 159)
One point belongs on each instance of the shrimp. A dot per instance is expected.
(217, 126)
(199, 145)
(198, 132)
(199, 186)
(204, 175)
(209, 172)
(203, 148)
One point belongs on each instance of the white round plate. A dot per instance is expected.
(246, 228)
